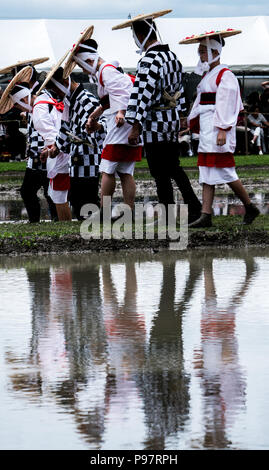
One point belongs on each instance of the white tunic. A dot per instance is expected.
(222, 115)
(213, 117)
(48, 125)
(118, 87)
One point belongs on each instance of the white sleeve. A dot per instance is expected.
(44, 123)
(118, 86)
(228, 102)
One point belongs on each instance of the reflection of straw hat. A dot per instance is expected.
(71, 63)
(6, 102)
(24, 63)
(152, 16)
(52, 72)
(198, 37)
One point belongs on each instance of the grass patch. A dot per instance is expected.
(61, 229)
(42, 229)
(64, 237)
(186, 162)
(12, 166)
(240, 160)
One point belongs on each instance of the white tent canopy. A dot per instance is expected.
(27, 39)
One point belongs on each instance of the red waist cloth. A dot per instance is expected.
(61, 182)
(122, 153)
(219, 160)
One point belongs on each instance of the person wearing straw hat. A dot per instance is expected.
(15, 68)
(216, 106)
(114, 88)
(85, 150)
(48, 116)
(18, 94)
(154, 109)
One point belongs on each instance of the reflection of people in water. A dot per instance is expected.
(67, 345)
(217, 363)
(164, 381)
(126, 336)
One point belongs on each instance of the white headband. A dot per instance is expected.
(81, 58)
(61, 87)
(210, 44)
(22, 93)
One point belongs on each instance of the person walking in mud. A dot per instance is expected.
(114, 88)
(154, 109)
(85, 149)
(19, 93)
(214, 115)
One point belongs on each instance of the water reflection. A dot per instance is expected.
(217, 363)
(112, 349)
(13, 209)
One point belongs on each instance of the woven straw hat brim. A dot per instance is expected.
(198, 37)
(71, 63)
(32, 62)
(129, 22)
(52, 72)
(6, 102)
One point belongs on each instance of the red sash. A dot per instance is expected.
(219, 160)
(59, 105)
(61, 182)
(122, 153)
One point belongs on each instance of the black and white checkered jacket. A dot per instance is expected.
(85, 159)
(35, 144)
(159, 70)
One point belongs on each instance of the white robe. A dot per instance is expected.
(213, 117)
(119, 87)
(48, 125)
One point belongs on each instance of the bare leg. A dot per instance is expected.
(128, 188)
(208, 197)
(63, 212)
(108, 185)
(240, 191)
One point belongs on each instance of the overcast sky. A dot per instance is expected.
(100, 9)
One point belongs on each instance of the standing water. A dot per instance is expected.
(135, 351)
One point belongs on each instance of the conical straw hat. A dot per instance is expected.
(129, 22)
(6, 102)
(52, 72)
(198, 37)
(71, 63)
(31, 62)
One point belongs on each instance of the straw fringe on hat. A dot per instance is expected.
(198, 37)
(6, 102)
(52, 72)
(31, 62)
(129, 22)
(71, 63)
